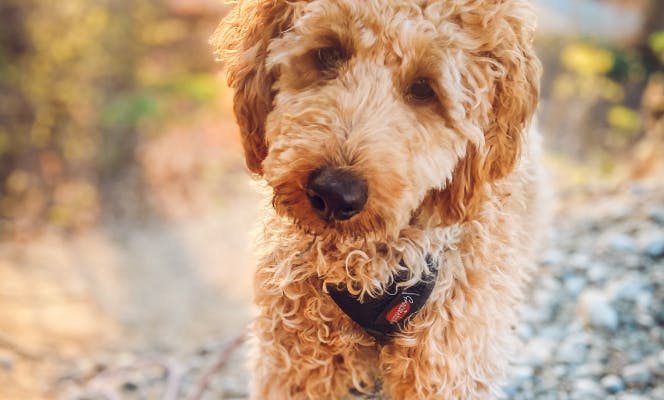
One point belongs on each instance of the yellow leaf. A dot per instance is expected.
(587, 60)
(624, 118)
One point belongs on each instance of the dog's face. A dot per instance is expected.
(357, 112)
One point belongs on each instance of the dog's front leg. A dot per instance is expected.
(439, 363)
(300, 352)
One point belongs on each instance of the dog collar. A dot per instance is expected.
(389, 314)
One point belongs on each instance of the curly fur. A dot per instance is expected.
(453, 178)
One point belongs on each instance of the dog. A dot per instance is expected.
(396, 143)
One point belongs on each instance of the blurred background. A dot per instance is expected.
(126, 209)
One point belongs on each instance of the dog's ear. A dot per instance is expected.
(513, 99)
(241, 43)
(515, 95)
(461, 198)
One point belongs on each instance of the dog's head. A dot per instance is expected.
(359, 113)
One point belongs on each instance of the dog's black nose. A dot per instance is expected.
(336, 193)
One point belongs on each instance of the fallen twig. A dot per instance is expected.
(12, 345)
(175, 375)
(224, 356)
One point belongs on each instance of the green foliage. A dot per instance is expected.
(588, 67)
(656, 42)
(81, 83)
(199, 87)
(603, 78)
(127, 111)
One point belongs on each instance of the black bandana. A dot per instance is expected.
(386, 315)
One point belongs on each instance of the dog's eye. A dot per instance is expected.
(329, 58)
(421, 90)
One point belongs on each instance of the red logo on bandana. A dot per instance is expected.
(398, 312)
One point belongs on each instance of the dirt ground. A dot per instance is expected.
(158, 285)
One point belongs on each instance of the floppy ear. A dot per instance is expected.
(514, 101)
(462, 196)
(241, 42)
(513, 98)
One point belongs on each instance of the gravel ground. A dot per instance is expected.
(593, 327)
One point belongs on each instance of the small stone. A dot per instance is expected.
(636, 375)
(632, 396)
(652, 363)
(595, 309)
(539, 351)
(644, 301)
(203, 351)
(575, 284)
(657, 393)
(554, 332)
(552, 257)
(510, 390)
(547, 379)
(524, 330)
(559, 371)
(659, 318)
(657, 273)
(629, 288)
(613, 384)
(589, 370)
(547, 302)
(598, 273)
(535, 315)
(521, 374)
(656, 214)
(579, 261)
(597, 354)
(621, 243)
(657, 364)
(588, 389)
(645, 320)
(574, 349)
(655, 248)
(629, 261)
(129, 386)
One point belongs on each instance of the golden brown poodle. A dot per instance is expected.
(395, 140)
